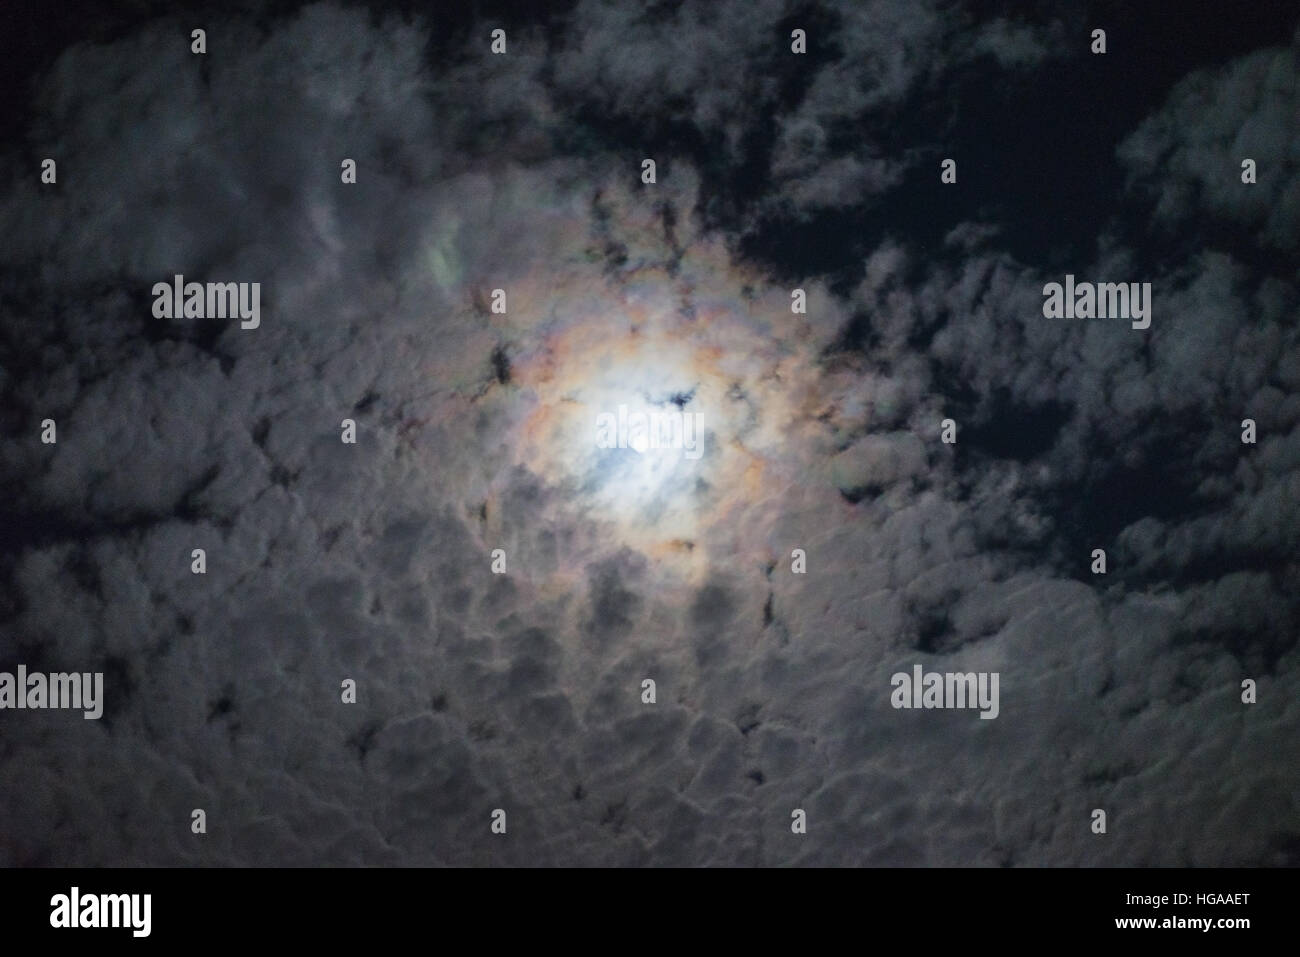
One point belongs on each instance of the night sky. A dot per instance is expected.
(498, 586)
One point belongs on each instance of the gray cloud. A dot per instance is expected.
(522, 691)
(1189, 155)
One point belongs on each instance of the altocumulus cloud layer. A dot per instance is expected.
(476, 431)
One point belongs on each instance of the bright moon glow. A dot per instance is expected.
(640, 487)
(708, 341)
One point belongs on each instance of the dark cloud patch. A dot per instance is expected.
(1006, 429)
(613, 606)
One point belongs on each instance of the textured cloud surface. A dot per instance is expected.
(476, 431)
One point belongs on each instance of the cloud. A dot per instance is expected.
(1188, 156)
(523, 691)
